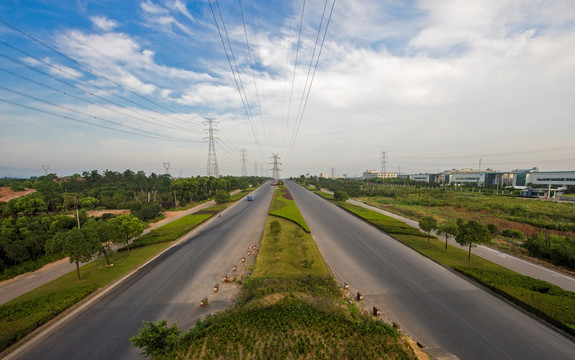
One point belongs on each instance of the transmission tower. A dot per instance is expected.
(383, 162)
(45, 168)
(275, 169)
(167, 167)
(244, 170)
(213, 169)
(333, 173)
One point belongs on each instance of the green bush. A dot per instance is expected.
(21, 318)
(512, 233)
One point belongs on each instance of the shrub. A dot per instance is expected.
(512, 233)
(340, 195)
(493, 229)
(275, 227)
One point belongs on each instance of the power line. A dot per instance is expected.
(311, 82)
(294, 71)
(91, 71)
(81, 113)
(239, 88)
(88, 101)
(159, 137)
(57, 69)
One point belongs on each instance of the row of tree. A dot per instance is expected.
(60, 205)
(470, 233)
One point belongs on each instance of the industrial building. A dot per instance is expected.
(516, 178)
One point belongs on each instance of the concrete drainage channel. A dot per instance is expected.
(369, 307)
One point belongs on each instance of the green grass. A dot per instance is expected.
(175, 229)
(287, 208)
(291, 253)
(539, 297)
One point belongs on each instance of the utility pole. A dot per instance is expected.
(212, 168)
(167, 167)
(244, 170)
(276, 169)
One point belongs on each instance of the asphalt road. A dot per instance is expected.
(509, 261)
(435, 306)
(171, 287)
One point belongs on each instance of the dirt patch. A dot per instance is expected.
(6, 194)
(287, 195)
(99, 213)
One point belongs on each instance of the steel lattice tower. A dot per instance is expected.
(276, 170)
(213, 169)
(244, 170)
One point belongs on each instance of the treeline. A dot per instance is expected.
(61, 204)
(559, 250)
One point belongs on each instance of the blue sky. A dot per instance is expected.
(436, 84)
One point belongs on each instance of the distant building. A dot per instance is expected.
(372, 174)
(489, 177)
(324, 175)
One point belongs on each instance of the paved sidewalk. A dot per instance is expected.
(20, 285)
(509, 261)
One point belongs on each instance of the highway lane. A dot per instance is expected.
(509, 261)
(171, 287)
(435, 306)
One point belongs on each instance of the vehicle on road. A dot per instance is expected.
(250, 197)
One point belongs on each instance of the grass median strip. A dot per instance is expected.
(26, 313)
(539, 297)
(291, 307)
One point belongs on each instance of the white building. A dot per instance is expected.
(373, 174)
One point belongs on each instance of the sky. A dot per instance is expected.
(328, 86)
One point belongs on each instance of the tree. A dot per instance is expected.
(340, 195)
(30, 205)
(222, 196)
(427, 224)
(130, 227)
(78, 245)
(472, 233)
(447, 229)
(157, 339)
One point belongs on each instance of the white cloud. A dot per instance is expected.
(104, 23)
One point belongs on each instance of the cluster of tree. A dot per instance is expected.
(559, 250)
(29, 224)
(470, 233)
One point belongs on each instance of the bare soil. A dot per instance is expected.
(6, 194)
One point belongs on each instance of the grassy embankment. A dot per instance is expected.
(26, 313)
(543, 299)
(291, 307)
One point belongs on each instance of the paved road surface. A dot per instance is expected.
(435, 306)
(170, 287)
(509, 261)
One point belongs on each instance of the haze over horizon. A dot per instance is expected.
(436, 84)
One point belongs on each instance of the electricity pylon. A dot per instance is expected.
(213, 169)
(244, 170)
(276, 169)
